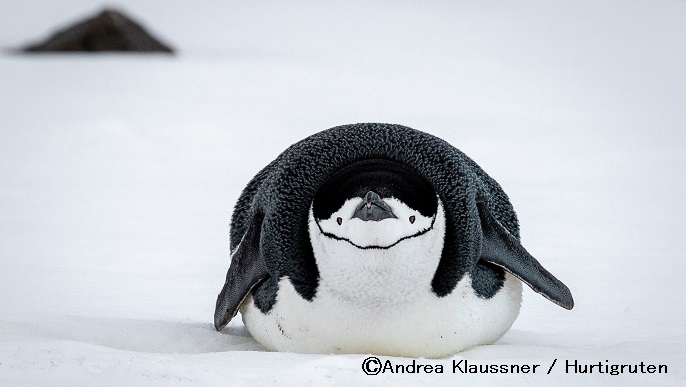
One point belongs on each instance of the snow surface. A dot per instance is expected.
(118, 176)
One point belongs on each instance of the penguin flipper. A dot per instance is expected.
(499, 247)
(247, 269)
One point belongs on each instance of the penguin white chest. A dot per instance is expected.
(375, 295)
(379, 263)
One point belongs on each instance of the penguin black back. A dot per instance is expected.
(284, 190)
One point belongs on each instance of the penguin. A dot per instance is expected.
(377, 238)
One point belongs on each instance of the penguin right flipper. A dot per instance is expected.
(501, 248)
(247, 269)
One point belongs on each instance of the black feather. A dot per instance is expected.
(284, 190)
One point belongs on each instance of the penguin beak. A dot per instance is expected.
(373, 208)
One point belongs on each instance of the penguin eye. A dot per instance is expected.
(339, 220)
(411, 219)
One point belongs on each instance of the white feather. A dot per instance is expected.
(381, 233)
(380, 301)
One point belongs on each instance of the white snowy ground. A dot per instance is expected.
(118, 175)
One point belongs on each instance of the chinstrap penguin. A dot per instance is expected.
(376, 238)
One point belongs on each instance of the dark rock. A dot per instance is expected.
(108, 31)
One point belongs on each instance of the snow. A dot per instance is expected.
(118, 176)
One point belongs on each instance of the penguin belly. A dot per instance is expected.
(380, 301)
(426, 326)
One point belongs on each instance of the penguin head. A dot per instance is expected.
(377, 231)
(375, 204)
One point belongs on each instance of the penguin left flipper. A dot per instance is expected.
(501, 248)
(247, 269)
